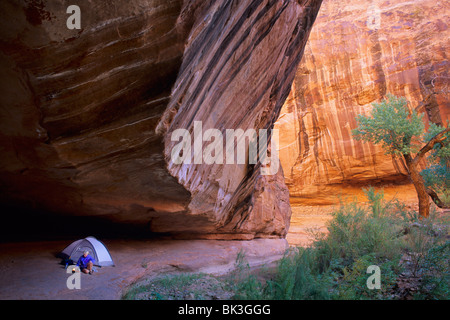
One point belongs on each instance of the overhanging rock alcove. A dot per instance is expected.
(87, 115)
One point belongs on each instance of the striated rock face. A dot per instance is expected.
(87, 115)
(358, 52)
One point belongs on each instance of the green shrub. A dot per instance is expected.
(298, 278)
(380, 233)
(335, 266)
(356, 231)
(353, 285)
(436, 273)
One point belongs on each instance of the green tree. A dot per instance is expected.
(401, 133)
(437, 175)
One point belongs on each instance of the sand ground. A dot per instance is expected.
(31, 271)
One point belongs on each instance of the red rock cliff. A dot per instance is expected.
(80, 109)
(357, 52)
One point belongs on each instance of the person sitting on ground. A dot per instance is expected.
(86, 263)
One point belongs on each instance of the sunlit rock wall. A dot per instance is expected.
(357, 52)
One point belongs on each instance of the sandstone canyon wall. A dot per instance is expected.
(357, 52)
(87, 115)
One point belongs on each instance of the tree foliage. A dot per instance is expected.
(401, 133)
(441, 151)
(437, 175)
(393, 125)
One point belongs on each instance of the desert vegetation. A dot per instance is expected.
(401, 133)
(412, 254)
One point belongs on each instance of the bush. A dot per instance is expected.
(413, 256)
(356, 231)
(335, 266)
(298, 278)
(436, 273)
(242, 282)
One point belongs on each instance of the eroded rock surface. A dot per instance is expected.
(80, 110)
(357, 52)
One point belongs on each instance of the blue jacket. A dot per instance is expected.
(83, 261)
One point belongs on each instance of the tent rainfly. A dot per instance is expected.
(95, 247)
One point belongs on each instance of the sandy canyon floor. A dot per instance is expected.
(31, 271)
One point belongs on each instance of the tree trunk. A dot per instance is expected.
(436, 199)
(416, 178)
(419, 185)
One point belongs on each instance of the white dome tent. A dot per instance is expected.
(95, 247)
